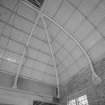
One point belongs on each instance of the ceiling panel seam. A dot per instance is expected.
(86, 17)
(19, 15)
(23, 18)
(62, 62)
(60, 5)
(47, 64)
(27, 57)
(36, 49)
(62, 46)
(76, 8)
(63, 24)
(56, 13)
(21, 30)
(72, 64)
(24, 76)
(66, 20)
(15, 7)
(34, 69)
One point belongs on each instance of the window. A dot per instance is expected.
(79, 101)
(82, 100)
(37, 3)
(72, 102)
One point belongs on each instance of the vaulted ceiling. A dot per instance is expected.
(54, 43)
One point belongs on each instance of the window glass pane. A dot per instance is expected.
(79, 101)
(72, 102)
(82, 100)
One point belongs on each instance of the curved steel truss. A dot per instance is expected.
(70, 35)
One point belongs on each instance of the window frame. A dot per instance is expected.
(82, 100)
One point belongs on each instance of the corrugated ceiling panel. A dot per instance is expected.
(12, 57)
(69, 45)
(50, 80)
(38, 76)
(40, 24)
(71, 71)
(1, 27)
(53, 30)
(39, 66)
(42, 57)
(68, 60)
(98, 50)
(98, 15)
(3, 42)
(61, 38)
(50, 70)
(62, 54)
(51, 7)
(76, 2)
(74, 21)
(34, 54)
(101, 27)
(45, 48)
(39, 33)
(26, 71)
(50, 61)
(82, 62)
(39, 44)
(23, 24)
(26, 12)
(8, 66)
(87, 6)
(1, 52)
(29, 62)
(6, 80)
(15, 34)
(38, 63)
(61, 68)
(55, 46)
(4, 14)
(18, 36)
(16, 47)
(35, 43)
(91, 40)
(35, 87)
(76, 52)
(9, 3)
(7, 31)
(83, 30)
(103, 3)
(64, 13)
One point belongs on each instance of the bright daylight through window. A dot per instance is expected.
(79, 101)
